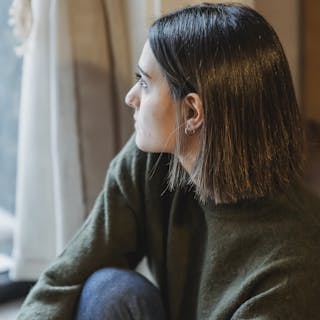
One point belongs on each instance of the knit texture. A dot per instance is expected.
(258, 259)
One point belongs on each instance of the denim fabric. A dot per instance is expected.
(114, 294)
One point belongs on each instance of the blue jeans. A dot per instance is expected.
(115, 294)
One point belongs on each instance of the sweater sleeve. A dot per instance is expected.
(111, 236)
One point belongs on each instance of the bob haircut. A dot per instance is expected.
(252, 138)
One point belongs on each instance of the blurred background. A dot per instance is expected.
(62, 115)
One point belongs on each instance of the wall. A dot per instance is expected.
(311, 59)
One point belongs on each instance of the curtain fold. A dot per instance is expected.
(101, 54)
(76, 70)
(67, 177)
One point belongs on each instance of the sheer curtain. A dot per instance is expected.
(76, 70)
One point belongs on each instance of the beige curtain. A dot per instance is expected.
(76, 70)
(101, 54)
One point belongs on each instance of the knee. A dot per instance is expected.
(116, 283)
(109, 289)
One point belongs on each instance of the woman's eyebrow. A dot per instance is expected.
(143, 72)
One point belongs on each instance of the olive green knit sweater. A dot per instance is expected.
(252, 260)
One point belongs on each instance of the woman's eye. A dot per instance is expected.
(140, 80)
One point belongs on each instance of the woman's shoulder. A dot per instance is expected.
(298, 215)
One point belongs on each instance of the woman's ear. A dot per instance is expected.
(193, 112)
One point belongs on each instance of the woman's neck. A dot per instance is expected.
(188, 159)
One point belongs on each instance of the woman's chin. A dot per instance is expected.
(141, 145)
(146, 147)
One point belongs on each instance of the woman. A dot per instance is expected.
(208, 188)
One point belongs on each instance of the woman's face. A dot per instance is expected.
(154, 108)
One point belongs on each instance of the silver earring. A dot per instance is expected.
(189, 132)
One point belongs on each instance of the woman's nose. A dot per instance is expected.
(132, 98)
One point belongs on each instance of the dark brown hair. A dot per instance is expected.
(252, 140)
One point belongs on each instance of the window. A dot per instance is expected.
(10, 75)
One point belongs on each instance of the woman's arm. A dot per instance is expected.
(111, 236)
